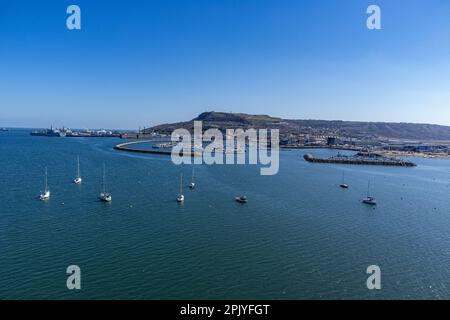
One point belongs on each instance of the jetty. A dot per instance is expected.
(361, 159)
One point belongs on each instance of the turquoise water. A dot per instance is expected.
(299, 237)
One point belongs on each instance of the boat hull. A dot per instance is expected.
(45, 196)
(369, 202)
(105, 197)
(241, 200)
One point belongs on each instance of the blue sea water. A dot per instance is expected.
(299, 237)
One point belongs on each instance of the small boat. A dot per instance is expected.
(3, 129)
(343, 184)
(192, 184)
(78, 179)
(46, 194)
(104, 195)
(241, 199)
(369, 199)
(180, 197)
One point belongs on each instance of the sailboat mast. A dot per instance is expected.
(181, 184)
(368, 188)
(78, 166)
(192, 174)
(46, 185)
(104, 178)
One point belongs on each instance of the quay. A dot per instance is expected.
(359, 160)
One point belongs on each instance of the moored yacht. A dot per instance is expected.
(241, 199)
(104, 195)
(78, 179)
(45, 195)
(343, 184)
(180, 197)
(192, 184)
(369, 199)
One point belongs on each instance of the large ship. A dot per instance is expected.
(52, 132)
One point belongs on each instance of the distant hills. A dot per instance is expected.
(354, 129)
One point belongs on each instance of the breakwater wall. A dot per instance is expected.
(133, 135)
(125, 147)
(356, 161)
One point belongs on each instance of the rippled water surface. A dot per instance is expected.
(300, 236)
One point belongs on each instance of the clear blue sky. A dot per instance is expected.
(138, 63)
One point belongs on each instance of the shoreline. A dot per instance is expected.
(386, 153)
(414, 155)
(396, 154)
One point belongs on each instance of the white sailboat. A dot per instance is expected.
(241, 199)
(46, 194)
(343, 184)
(180, 197)
(104, 195)
(369, 199)
(78, 179)
(192, 184)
